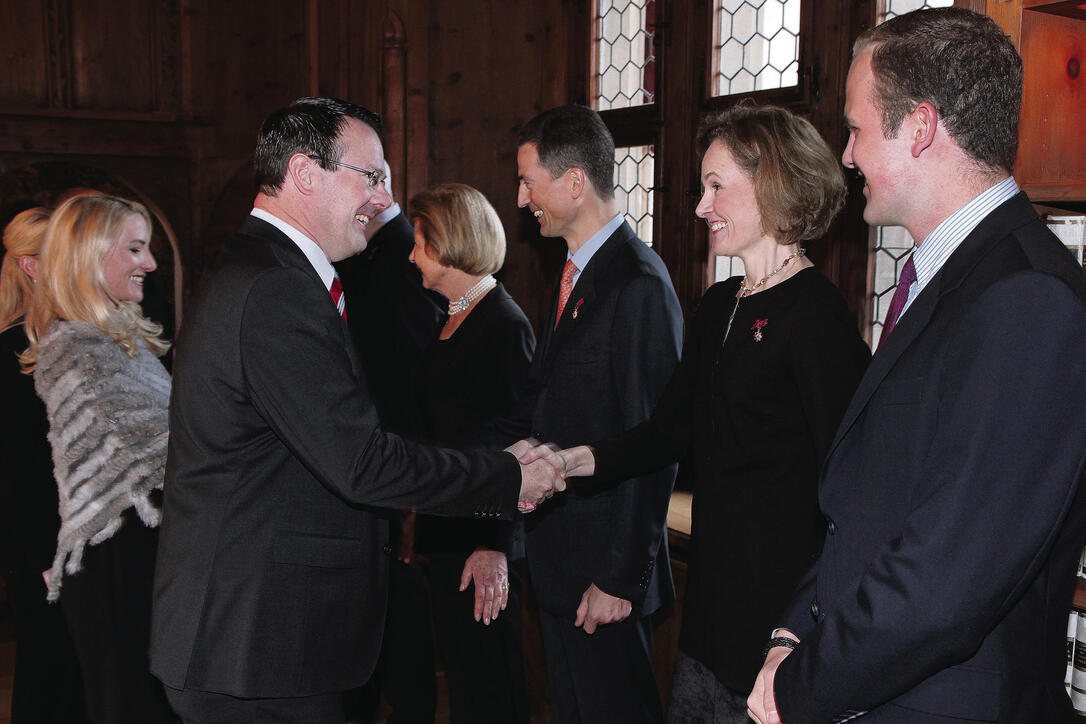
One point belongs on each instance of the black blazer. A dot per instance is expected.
(271, 574)
(392, 317)
(954, 497)
(600, 373)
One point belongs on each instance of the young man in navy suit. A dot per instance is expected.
(954, 491)
(598, 559)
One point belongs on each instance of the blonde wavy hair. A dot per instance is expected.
(22, 237)
(71, 283)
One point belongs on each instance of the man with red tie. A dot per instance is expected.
(272, 566)
(598, 559)
(953, 491)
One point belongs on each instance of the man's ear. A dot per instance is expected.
(302, 174)
(29, 265)
(923, 122)
(577, 181)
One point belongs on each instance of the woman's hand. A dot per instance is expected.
(490, 571)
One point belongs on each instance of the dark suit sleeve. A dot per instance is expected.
(648, 331)
(990, 497)
(665, 437)
(289, 331)
(828, 358)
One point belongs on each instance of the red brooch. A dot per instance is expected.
(758, 329)
(577, 306)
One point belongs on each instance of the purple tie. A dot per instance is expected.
(901, 295)
(338, 297)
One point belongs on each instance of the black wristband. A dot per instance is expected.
(779, 641)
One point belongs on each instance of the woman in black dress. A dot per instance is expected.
(769, 365)
(472, 373)
(106, 394)
(47, 685)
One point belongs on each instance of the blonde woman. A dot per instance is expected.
(47, 687)
(473, 372)
(96, 368)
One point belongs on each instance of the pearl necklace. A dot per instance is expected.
(745, 291)
(481, 287)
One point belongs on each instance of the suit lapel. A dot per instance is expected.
(1006, 217)
(288, 254)
(583, 295)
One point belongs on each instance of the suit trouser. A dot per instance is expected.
(207, 707)
(601, 677)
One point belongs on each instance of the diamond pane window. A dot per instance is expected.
(634, 168)
(892, 243)
(756, 47)
(625, 66)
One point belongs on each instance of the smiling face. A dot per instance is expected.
(346, 202)
(728, 204)
(128, 261)
(433, 271)
(882, 161)
(548, 199)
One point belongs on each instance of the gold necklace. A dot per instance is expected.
(745, 291)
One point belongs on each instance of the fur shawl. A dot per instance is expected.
(108, 427)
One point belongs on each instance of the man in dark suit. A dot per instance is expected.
(271, 579)
(954, 490)
(391, 315)
(598, 559)
(393, 318)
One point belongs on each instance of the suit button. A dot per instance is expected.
(831, 527)
(815, 609)
(387, 548)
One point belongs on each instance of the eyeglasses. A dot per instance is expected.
(375, 177)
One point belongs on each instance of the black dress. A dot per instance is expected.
(751, 419)
(47, 685)
(463, 383)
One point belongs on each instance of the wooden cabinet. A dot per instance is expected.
(1051, 36)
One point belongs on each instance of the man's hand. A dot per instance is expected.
(599, 608)
(490, 571)
(761, 704)
(539, 478)
(573, 462)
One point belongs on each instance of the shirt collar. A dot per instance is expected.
(316, 256)
(929, 256)
(388, 214)
(590, 247)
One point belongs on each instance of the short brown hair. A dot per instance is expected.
(798, 181)
(963, 64)
(461, 227)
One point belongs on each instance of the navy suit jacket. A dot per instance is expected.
(955, 500)
(599, 373)
(271, 576)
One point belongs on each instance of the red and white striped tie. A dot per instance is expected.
(339, 297)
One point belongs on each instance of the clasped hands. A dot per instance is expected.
(544, 469)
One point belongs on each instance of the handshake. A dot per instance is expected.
(544, 469)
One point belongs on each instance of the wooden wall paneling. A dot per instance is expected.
(683, 38)
(416, 151)
(24, 55)
(58, 43)
(486, 79)
(394, 99)
(113, 55)
(844, 255)
(1051, 163)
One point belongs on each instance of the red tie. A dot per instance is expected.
(897, 304)
(565, 288)
(339, 297)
